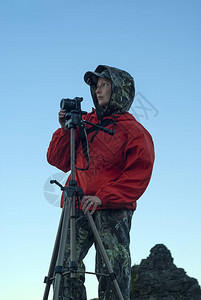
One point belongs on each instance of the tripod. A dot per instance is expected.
(68, 218)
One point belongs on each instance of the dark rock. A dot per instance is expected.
(157, 278)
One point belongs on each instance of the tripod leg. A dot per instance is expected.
(104, 254)
(48, 278)
(62, 245)
(73, 255)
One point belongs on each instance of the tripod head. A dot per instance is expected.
(72, 190)
(74, 118)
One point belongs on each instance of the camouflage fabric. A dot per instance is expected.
(113, 227)
(123, 90)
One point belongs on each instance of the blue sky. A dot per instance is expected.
(46, 47)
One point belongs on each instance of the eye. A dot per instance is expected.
(104, 84)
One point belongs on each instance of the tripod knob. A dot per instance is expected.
(72, 183)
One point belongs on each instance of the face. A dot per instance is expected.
(103, 91)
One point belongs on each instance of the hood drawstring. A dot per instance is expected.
(102, 123)
(84, 134)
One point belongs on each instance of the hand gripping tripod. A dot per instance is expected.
(67, 219)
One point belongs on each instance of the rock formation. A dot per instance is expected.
(158, 278)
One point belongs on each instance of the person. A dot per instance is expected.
(119, 171)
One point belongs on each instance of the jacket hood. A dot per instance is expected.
(123, 90)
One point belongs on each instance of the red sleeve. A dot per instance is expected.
(58, 153)
(124, 192)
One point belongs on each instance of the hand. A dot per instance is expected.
(89, 202)
(62, 118)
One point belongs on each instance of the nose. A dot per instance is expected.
(97, 89)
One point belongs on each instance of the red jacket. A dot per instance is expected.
(120, 166)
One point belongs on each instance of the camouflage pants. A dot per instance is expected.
(114, 229)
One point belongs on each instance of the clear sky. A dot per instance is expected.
(46, 47)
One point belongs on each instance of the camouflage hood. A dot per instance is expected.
(123, 90)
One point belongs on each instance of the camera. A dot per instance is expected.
(73, 111)
(71, 104)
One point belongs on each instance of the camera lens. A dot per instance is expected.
(68, 104)
(71, 104)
